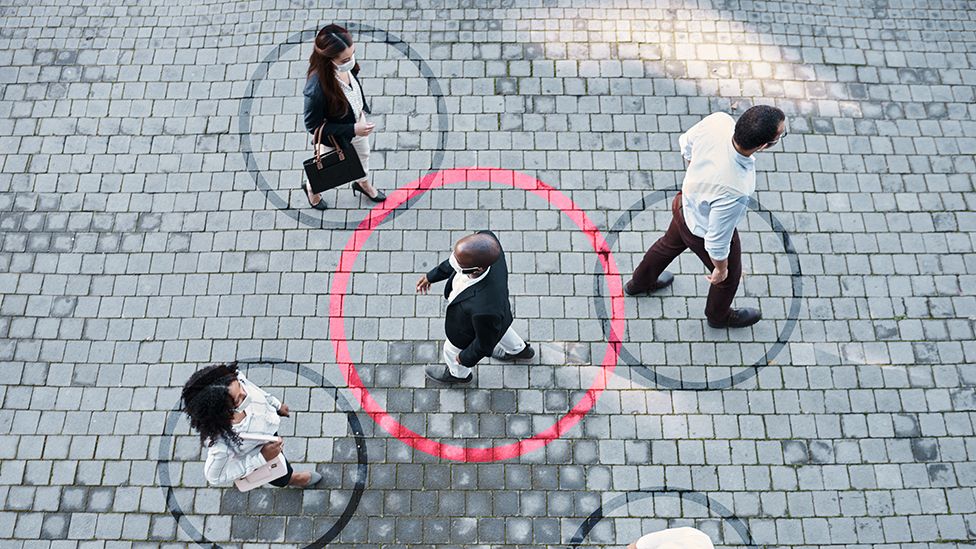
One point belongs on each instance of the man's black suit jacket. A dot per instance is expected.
(479, 316)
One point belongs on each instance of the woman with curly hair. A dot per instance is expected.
(335, 101)
(223, 405)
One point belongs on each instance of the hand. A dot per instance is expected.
(717, 276)
(423, 285)
(364, 128)
(284, 410)
(271, 449)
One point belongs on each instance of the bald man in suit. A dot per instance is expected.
(478, 322)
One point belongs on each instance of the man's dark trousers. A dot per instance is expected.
(677, 239)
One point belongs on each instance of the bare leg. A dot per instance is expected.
(363, 150)
(300, 479)
(313, 198)
(368, 188)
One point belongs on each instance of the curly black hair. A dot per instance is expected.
(758, 126)
(207, 401)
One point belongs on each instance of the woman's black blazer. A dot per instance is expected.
(315, 111)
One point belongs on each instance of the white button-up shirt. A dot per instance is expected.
(718, 183)
(353, 94)
(227, 463)
(676, 538)
(462, 282)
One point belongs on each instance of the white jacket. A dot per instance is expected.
(227, 462)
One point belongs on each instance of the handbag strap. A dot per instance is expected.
(317, 140)
(335, 145)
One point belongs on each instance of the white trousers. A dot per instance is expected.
(511, 343)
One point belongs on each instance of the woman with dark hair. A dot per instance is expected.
(223, 405)
(334, 100)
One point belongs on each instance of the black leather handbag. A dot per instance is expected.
(337, 167)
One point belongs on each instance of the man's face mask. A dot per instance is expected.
(463, 270)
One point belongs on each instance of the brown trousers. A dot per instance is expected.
(677, 239)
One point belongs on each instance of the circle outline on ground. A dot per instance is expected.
(343, 273)
(362, 458)
(662, 381)
(261, 72)
(736, 523)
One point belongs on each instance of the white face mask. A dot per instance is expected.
(244, 404)
(458, 268)
(454, 263)
(347, 66)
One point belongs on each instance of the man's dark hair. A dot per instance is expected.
(757, 126)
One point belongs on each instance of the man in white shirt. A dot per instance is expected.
(674, 538)
(714, 197)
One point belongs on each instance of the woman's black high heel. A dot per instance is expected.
(321, 204)
(357, 188)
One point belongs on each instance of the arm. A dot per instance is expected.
(315, 116)
(440, 272)
(686, 143)
(312, 117)
(724, 215)
(486, 337)
(272, 400)
(278, 405)
(362, 92)
(338, 129)
(224, 466)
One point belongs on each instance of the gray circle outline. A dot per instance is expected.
(739, 525)
(261, 72)
(362, 470)
(646, 372)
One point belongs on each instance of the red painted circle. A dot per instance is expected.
(340, 283)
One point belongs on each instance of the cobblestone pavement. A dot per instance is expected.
(150, 155)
